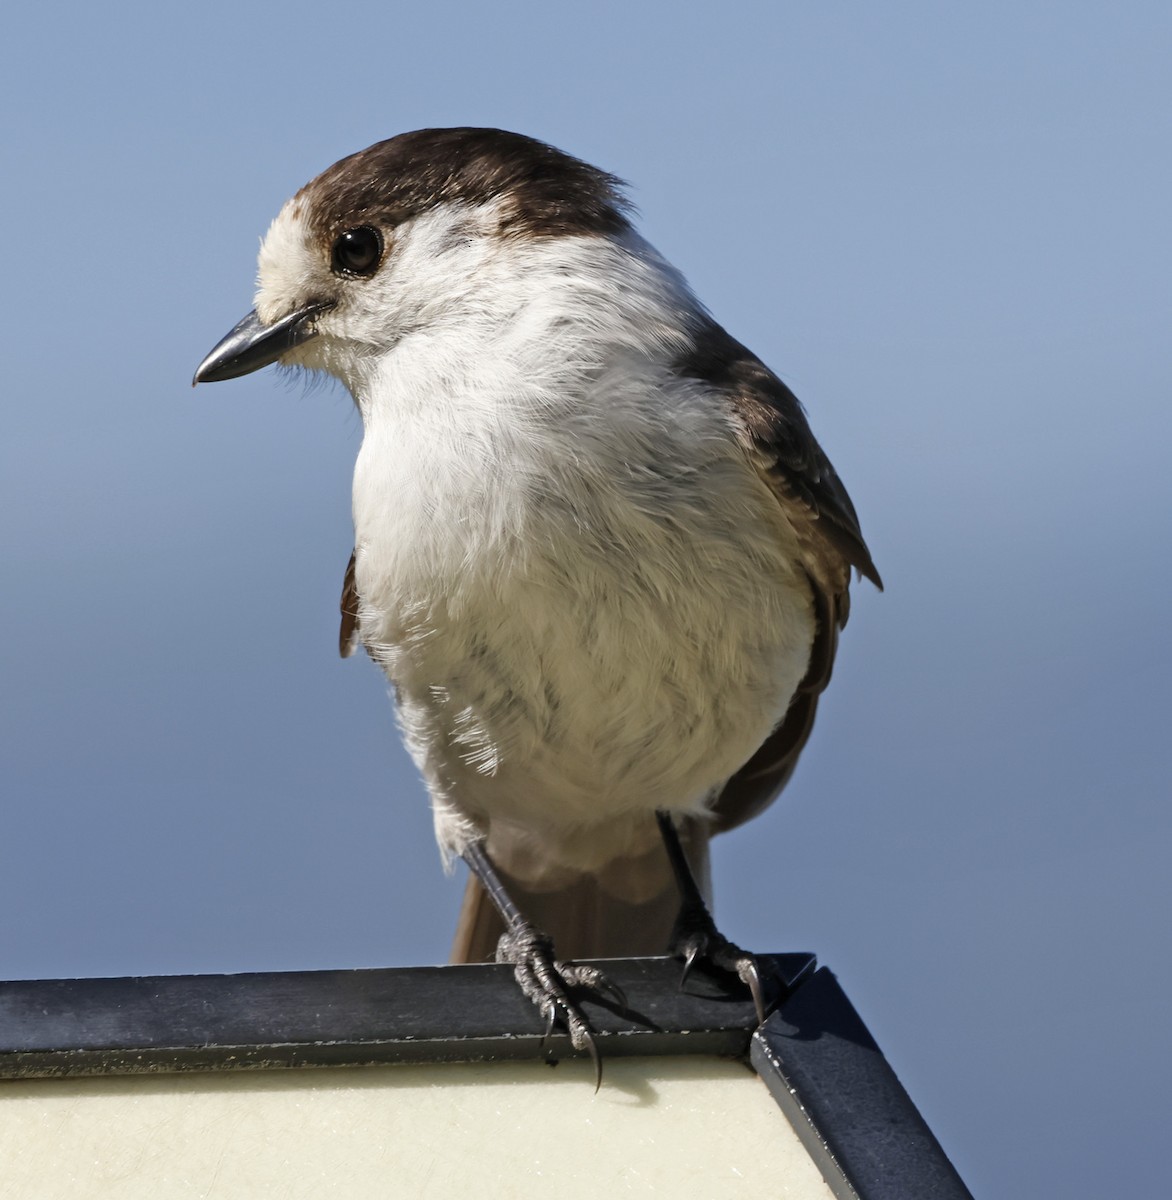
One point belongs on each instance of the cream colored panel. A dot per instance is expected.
(681, 1127)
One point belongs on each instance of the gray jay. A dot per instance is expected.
(598, 552)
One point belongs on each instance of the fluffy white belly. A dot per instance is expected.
(575, 642)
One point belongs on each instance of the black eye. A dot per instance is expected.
(357, 251)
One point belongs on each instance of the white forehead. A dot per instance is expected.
(289, 269)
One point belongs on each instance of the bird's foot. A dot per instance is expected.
(551, 986)
(696, 939)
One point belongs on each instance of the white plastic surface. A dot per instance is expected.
(684, 1127)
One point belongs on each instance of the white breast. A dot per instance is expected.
(589, 604)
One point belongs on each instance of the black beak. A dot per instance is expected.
(252, 345)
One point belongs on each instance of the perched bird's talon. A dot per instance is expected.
(717, 951)
(548, 985)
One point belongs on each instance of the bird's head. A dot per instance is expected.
(401, 236)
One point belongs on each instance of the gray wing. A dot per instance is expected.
(348, 633)
(771, 424)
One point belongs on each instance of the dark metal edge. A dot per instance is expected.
(155, 1024)
(846, 1104)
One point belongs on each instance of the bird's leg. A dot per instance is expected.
(547, 983)
(695, 935)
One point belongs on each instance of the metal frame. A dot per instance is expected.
(814, 1053)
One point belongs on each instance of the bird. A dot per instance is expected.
(599, 553)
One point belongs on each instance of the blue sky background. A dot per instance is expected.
(946, 227)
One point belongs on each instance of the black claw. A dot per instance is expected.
(752, 976)
(548, 985)
(707, 945)
(551, 1015)
(596, 1058)
(592, 979)
(692, 951)
(613, 989)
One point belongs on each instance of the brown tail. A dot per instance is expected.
(626, 910)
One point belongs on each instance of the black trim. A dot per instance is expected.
(844, 1101)
(318, 1018)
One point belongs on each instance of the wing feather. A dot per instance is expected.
(348, 633)
(770, 422)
